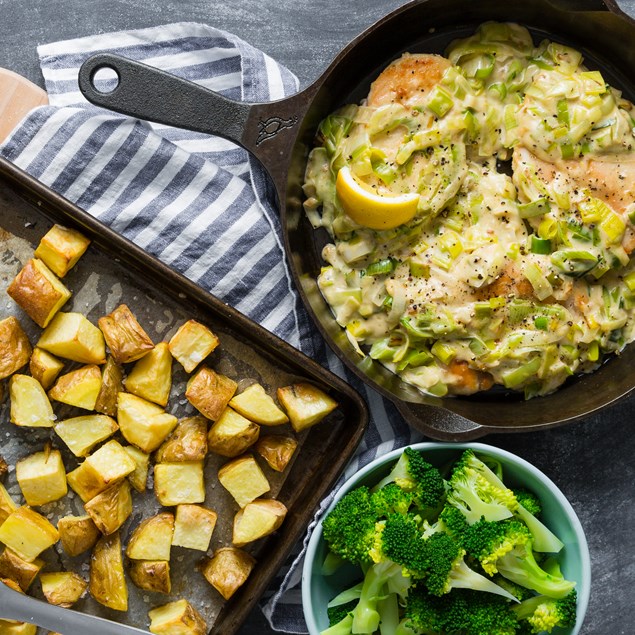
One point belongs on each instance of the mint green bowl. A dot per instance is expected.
(557, 514)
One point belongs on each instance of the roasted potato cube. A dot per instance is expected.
(152, 539)
(243, 479)
(110, 509)
(45, 367)
(151, 575)
(7, 504)
(188, 442)
(63, 588)
(193, 527)
(210, 392)
(61, 248)
(151, 376)
(42, 477)
(28, 533)
(232, 434)
(107, 579)
(104, 467)
(228, 569)
(143, 423)
(257, 519)
(276, 450)
(77, 533)
(177, 483)
(4, 468)
(111, 386)
(305, 404)
(39, 292)
(255, 404)
(15, 348)
(125, 337)
(82, 434)
(78, 388)
(72, 336)
(9, 627)
(16, 568)
(139, 478)
(30, 406)
(191, 344)
(177, 618)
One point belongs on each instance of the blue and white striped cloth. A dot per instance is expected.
(199, 203)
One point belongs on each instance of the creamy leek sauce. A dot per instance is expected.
(518, 280)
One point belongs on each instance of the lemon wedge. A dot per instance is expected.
(370, 209)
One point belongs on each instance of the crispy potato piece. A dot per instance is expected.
(45, 367)
(78, 388)
(72, 336)
(61, 248)
(110, 509)
(177, 618)
(30, 406)
(255, 404)
(191, 344)
(188, 442)
(103, 468)
(7, 504)
(42, 477)
(15, 348)
(228, 569)
(276, 450)
(151, 376)
(152, 539)
(143, 423)
(210, 392)
(125, 337)
(9, 627)
(16, 568)
(77, 533)
(139, 478)
(82, 434)
(4, 468)
(193, 527)
(305, 404)
(232, 434)
(38, 291)
(63, 588)
(177, 483)
(243, 479)
(27, 533)
(111, 386)
(257, 519)
(107, 579)
(151, 575)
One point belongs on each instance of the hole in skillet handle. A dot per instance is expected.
(104, 79)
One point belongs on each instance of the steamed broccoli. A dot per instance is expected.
(391, 498)
(340, 618)
(506, 547)
(529, 501)
(544, 539)
(415, 475)
(544, 613)
(349, 529)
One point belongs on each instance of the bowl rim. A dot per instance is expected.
(584, 590)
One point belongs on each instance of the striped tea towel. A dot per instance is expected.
(196, 202)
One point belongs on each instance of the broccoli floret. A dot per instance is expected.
(454, 522)
(462, 611)
(400, 540)
(392, 499)
(529, 501)
(544, 613)
(506, 547)
(349, 529)
(476, 497)
(519, 592)
(337, 614)
(413, 474)
(544, 539)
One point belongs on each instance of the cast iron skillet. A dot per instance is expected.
(280, 134)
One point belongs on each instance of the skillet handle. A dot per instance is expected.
(266, 130)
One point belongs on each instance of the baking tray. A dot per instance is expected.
(113, 271)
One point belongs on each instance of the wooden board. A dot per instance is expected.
(17, 97)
